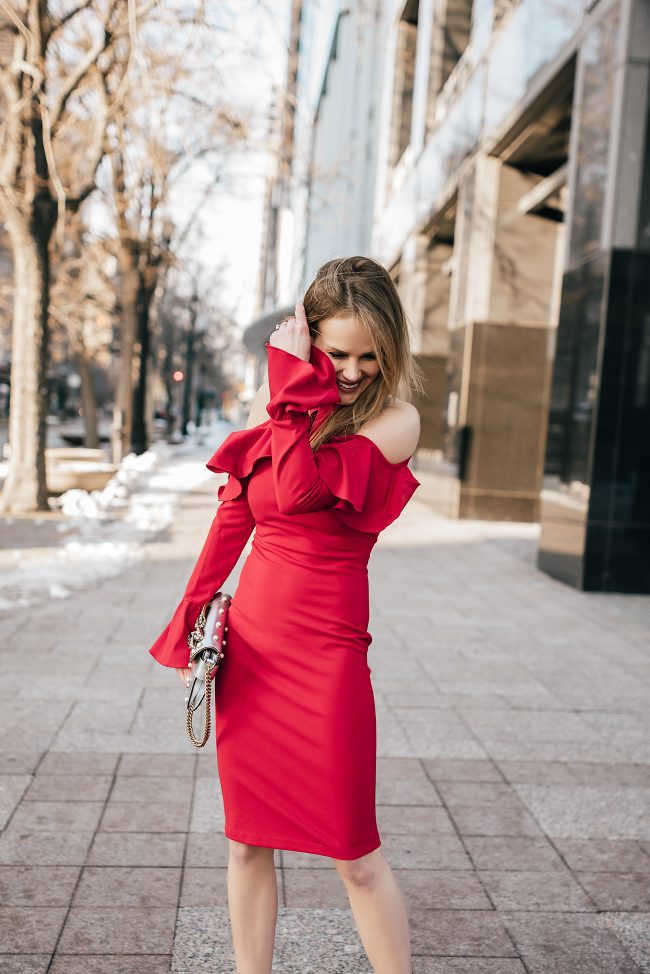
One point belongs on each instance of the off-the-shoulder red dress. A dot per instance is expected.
(294, 705)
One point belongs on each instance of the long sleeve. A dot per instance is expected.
(295, 386)
(231, 528)
(348, 474)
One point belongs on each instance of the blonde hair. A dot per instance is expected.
(361, 287)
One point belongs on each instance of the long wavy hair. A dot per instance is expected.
(361, 287)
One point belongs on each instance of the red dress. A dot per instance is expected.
(294, 707)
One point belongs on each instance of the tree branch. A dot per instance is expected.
(96, 149)
(82, 68)
(58, 24)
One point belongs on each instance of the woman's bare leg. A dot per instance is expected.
(379, 911)
(253, 906)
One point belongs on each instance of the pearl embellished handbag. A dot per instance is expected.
(206, 642)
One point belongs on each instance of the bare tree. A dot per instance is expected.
(83, 305)
(61, 74)
(196, 336)
(125, 81)
(166, 126)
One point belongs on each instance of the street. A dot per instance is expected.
(513, 772)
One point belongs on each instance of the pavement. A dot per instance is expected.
(513, 792)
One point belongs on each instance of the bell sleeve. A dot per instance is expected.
(295, 387)
(349, 473)
(231, 528)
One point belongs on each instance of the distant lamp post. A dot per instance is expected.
(173, 435)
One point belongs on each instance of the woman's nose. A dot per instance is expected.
(350, 374)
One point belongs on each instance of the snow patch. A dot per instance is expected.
(106, 530)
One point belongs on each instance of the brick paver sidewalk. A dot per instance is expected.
(513, 774)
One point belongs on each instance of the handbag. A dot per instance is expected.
(206, 642)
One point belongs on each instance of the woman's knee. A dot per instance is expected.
(363, 871)
(244, 854)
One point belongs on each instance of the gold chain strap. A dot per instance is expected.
(194, 640)
(208, 714)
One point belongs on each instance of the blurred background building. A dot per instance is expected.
(495, 156)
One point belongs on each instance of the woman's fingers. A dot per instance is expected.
(184, 675)
(292, 334)
(301, 317)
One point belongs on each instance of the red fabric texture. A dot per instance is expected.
(231, 528)
(294, 707)
(348, 473)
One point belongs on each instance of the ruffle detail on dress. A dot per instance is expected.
(237, 456)
(371, 491)
(297, 386)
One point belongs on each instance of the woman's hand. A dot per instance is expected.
(185, 675)
(292, 335)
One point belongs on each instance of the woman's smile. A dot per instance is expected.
(348, 386)
(348, 344)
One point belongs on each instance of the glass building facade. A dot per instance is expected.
(595, 510)
(528, 186)
(494, 155)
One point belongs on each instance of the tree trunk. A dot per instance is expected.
(88, 399)
(123, 410)
(25, 487)
(139, 439)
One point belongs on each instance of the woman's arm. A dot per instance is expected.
(295, 386)
(228, 534)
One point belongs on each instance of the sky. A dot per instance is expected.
(236, 215)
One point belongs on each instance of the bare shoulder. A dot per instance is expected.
(258, 413)
(396, 431)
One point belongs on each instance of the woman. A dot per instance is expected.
(319, 471)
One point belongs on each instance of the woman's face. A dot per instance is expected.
(347, 342)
